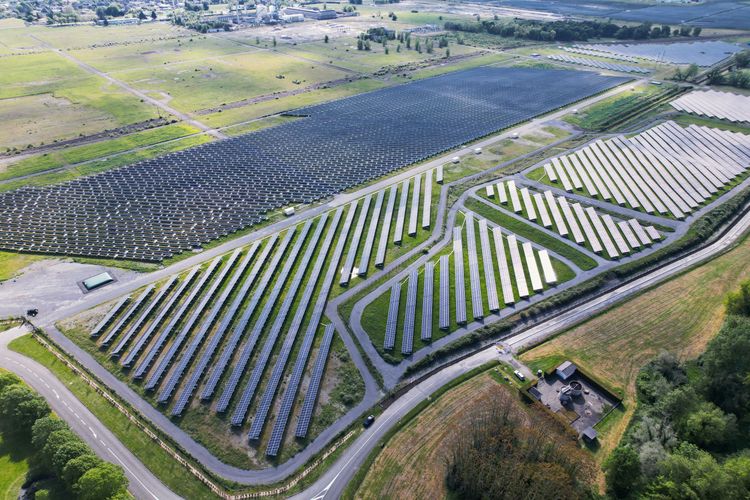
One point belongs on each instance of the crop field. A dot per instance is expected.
(411, 466)
(679, 316)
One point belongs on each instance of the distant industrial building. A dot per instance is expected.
(311, 13)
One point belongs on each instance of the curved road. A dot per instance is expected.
(332, 483)
(143, 484)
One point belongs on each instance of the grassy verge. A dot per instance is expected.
(78, 154)
(11, 263)
(13, 466)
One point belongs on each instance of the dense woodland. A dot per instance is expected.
(505, 452)
(568, 31)
(690, 437)
(61, 464)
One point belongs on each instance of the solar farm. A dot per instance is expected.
(713, 104)
(159, 208)
(701, 53)
(291, 223)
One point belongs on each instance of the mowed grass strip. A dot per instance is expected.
(679, 316)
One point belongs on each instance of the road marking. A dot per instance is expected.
(92, 432)
(131, 473)
(56, 394)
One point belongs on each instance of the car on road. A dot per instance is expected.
(367, 422)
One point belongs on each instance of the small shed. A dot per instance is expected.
(589, 434)
(566, 370)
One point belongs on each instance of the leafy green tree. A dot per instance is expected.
(7, 378)
(67, 452)
(736, 302)
(43, 427)
(103, 482)
(622, 471)
(56, 440)
(20, 407)
(153, 15)
(79, 466)
(697, 31)
(726, 367)
(709, 427)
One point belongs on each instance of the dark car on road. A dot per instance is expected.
(368, 421)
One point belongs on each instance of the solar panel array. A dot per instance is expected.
(523, 270)
(230, 316)
(584, 226)
(667, 169)
(595, 63)
(117, 328)
(706, 53)
(609, 55)
(714, 104)
(163, 206)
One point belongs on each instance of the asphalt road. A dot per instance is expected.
(143, 484)
(333, 482)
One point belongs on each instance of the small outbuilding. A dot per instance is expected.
(589, 434)
(566, 370)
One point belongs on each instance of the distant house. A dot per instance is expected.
(566, 370)
(311, 13)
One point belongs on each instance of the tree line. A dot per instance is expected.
(27, 421)
(568, 31)
(690, 437)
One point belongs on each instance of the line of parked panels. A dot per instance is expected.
(402, 203)
(584, 226)
(714, 104)
(598, 64)
(609, 55)
(522, 271)
(196, 307)
(666, 169)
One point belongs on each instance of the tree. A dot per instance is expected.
(709, 427)
(67, 452)
(622, 471)
(55, 441)
(742, 59)
(739, 302)
(141, 16)
(102, 482)
(20, 407)
(153, 15)
(43, 427)
(78, 466)
(7, 378)
(325, 39)
(274, 41)
(697, 31)
(726, 367)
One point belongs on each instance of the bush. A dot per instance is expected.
(103, 482)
